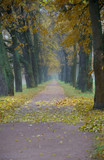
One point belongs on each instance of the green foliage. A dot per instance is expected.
(76, 15)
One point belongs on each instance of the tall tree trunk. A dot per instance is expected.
(35, 58)
(3, 76)
(3, 83)
(34, 52)
(73, 69)
(17, 72)
(45, 73)
(66, 67)
(6, 75)
(34, 43)
(40, 72)
(23, 38)
(83, 76)
(28, 69)
(62, 74)
(16, 63)
(10, 77)
(98, 54)
(90, 79)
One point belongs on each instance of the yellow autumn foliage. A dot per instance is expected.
(9, 104)
(74, 22)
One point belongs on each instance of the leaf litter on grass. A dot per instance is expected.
(68, 110)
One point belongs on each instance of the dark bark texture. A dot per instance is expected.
(66, 67)
(35, 58)
(73, 69)
(83, 78)
(6, 75)
(98, 54)
(23, 38)
(16, 63)
(3, 84)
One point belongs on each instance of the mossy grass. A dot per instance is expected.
(70, 91)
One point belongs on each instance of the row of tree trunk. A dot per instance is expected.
(25, 57)
(77, 73)
(84, 80)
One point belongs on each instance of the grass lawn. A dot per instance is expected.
(70, 91)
